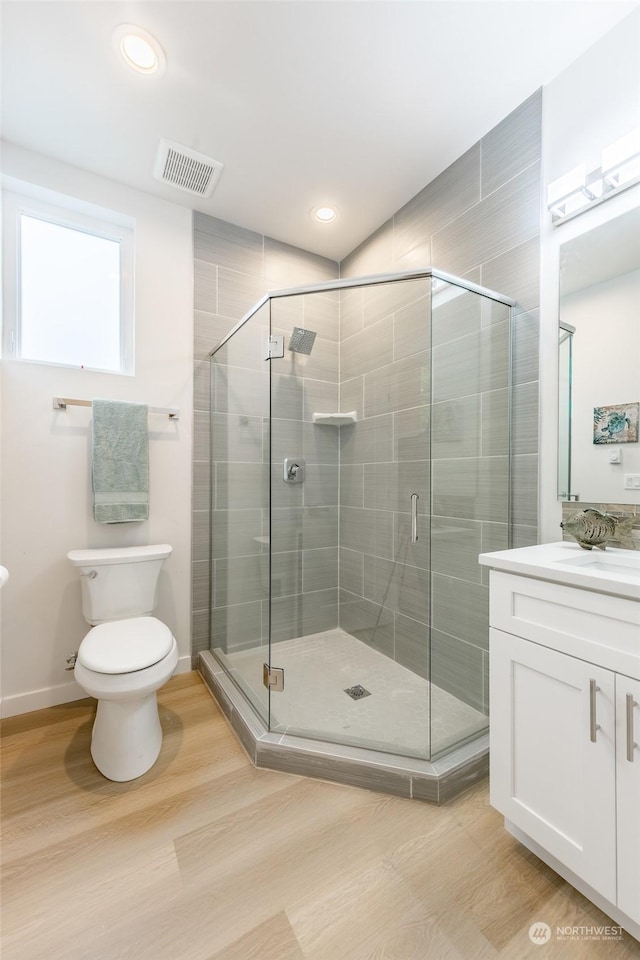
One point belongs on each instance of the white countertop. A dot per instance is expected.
(613, 570)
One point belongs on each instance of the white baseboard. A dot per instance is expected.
(19, 703)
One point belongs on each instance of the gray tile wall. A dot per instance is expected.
(233, 269)
(479, 219)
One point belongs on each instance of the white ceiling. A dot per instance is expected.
(355, 104)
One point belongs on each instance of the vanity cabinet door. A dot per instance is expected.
(628, 763)
(553, 754)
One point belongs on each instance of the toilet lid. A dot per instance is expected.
(125, 645)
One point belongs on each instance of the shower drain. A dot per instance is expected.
(357, 692)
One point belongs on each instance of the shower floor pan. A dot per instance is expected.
(317, 707)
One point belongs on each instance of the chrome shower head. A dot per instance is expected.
(301, 340)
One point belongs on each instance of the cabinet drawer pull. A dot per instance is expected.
(631, 703)
(593, 726)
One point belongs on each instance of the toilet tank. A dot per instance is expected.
(119, 582)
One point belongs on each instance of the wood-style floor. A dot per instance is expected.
(207, 858)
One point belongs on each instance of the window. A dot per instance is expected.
(73, 289)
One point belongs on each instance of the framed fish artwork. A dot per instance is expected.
(617, 423)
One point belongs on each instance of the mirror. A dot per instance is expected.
(599, 363)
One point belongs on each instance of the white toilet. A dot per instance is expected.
(126, 657)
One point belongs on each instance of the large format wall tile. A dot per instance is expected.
(476, 491)
(390, 486)
(303, 528)
(319, 569)
(320, 396)
(461, 609)
(516, 273)
(454, 314)
(367, 441)
(457, 667)
(236, 438)
(367, 531)
(455, 545)
(367, 350)
(236, 627)
(472, 364)
(411, 327)
(236, 533)
(322, 315)
(395, 386)
(303, 614)
(226, 245)
(513, 145)
(412, 644)
(367, 621)
(479, 219)
(387, 299)
(205, 286)
(444, 199)
(233, 270)
(351, 311)
(504, 219)
(352, 396)
(238, 293)
(371, 257)
(351, 571)
(287, 266)
(455, 428)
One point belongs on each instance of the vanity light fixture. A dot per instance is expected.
(324, 214)
(573, 191)
(139, 49)
(621, 160)
(577, 190)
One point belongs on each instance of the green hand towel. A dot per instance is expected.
(120, 473)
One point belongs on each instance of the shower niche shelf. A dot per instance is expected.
(335, 419)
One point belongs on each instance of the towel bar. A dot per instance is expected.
(61, 403)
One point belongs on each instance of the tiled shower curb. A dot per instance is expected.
(406, 777)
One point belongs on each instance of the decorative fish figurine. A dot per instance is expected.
(594, 529)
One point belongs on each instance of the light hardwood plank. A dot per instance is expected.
(207, 858)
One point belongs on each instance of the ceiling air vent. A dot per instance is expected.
(187, 170)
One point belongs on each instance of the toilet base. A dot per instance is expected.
(126, 737)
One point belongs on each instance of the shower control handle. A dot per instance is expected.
(414, 517)
(293, 470)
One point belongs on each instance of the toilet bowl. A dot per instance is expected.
(125, 658)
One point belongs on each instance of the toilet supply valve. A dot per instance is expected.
(71, 660)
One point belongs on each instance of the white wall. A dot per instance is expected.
(45, 488)
(591, 104)
(606, 316)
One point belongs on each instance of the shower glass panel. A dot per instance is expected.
(469, 458)
(240, 398)
(357, 476)
(350, 585)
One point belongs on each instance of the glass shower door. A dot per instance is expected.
(239, 543)
(470, 490)
(350, 532)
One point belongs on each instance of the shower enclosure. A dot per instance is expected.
(360, 462)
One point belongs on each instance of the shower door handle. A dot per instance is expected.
(414, 518)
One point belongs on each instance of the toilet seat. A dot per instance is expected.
(125, 646)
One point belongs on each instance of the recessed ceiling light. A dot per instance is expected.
(324, 214)
(139, 49)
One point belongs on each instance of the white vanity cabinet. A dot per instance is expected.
(565, 722)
